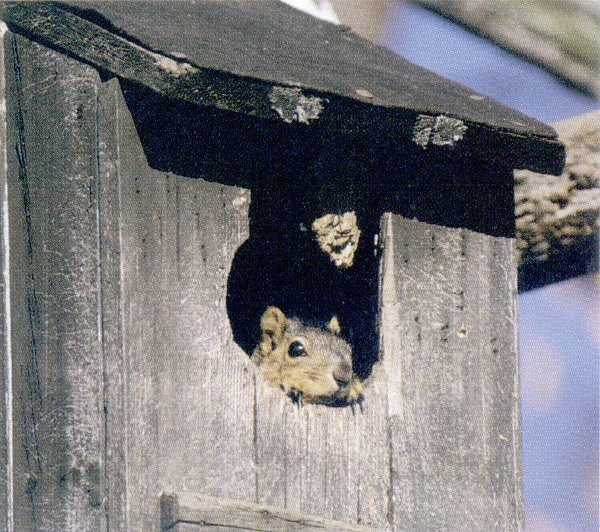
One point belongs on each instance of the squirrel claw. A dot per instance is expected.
(296, 396)
(360, 401)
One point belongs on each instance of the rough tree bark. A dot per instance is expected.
(557, 217)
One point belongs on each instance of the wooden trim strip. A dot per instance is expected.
(207, 511)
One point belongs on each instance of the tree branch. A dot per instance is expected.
(557, 217)
(560, 35)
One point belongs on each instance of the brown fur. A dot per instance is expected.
(322, 370)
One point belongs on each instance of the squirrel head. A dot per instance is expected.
(314, 363)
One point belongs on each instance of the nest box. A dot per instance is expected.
(169, 170)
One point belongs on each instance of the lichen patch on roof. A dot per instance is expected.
(438, 130)
(291, 105)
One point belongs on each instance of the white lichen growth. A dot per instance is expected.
(171, 66)
(293, 106)
(175, 68)
(438, 130)
(338, 236)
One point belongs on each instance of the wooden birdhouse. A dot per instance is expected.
(171, 170)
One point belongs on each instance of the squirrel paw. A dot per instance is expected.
(352, 394)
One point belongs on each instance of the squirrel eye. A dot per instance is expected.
(296, 349)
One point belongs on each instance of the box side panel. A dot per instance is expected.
(449, 339)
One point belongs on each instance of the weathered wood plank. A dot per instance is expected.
(191, 527)
(189, 389)
(449, 344)
(274, 445)
(22, 504)
(57, 362)
(341, 488)
(557, 218)
(264, 86)
(314, 496)
(370, 459)
(209, 513)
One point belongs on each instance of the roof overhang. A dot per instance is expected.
(269, 61)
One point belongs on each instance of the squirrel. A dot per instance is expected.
(310, 364)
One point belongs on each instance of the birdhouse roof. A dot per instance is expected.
(269, 61)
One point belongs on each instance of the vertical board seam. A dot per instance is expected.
(100, 314)
(7, 322)
(255, 438)
(516, 417)
(387, 272)
(125, 376)
(33, 381)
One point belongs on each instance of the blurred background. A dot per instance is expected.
(559, 331)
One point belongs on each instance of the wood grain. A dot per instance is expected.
(110, 311)
(189, 389)
(6, 397)
(324, 461)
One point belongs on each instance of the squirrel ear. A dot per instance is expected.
(334, 326)
(273, 324)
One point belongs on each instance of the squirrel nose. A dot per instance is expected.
(343, 374)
